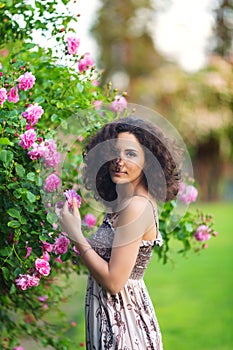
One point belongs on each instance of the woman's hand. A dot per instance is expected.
(70, 222)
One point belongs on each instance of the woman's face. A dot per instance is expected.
(129, 162)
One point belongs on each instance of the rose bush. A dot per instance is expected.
(37, 94)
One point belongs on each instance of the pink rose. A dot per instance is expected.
(46, 256)
(3, 96)
(33, 281)
(22, 282)
(51, 156)
(70, 195)
(37, 151)
(119, 104)
(202, 233)
(33, 113)
(43, 298)
(97, 104)
(58, 259)
(18, 348)
(42, 266)
(61, 245)
(26, 281)
(85, 63)
(27, 139)
(76, 250)
(188, 194)
(26, 81)
(72, 45)
(52, 183)
(48, 247)
(90, 220)
(13, 95)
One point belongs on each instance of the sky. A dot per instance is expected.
(180, 32)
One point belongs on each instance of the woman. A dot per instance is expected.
(128, 166)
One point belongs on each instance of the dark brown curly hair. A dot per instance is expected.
(161, 171)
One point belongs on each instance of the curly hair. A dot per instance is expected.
(161, 174)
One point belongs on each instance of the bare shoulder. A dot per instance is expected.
(136, 208)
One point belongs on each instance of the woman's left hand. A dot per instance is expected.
(71, 222)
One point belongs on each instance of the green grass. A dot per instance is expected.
(192, 297)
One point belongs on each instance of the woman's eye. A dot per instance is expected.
(131, 154)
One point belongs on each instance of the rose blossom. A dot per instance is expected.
(52, 183)
(72, 45)
(27, 139)
(48, 247)
(26, 281)
(61, 245)
(42, 266)
(13, 95)
(42, 298)
(202, 233)
(70, 195)
(86, 62)
(119, 104)
(18, 348)
(33, 113)
(37, 151)
(3, 96)
(89, 220)
(26, 81)
(188, 194)
(51, 156)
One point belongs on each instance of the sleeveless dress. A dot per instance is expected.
(125, 321)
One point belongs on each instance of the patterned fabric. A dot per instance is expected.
(125, 321)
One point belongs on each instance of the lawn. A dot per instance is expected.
(192, 296)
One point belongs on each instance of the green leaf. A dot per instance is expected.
(5, 141)
(31, 176)
(39, 99)
(6, 251)
(13, 224)
(6, 273)
(14, 213)
(6, 156)
(20, 171)
(51, 218)
(31, 197)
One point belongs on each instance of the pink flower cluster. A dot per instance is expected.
(47, 150)
(25, 82)
(13, 95)
(42, 268)
(27, 139)
(72, 45)
(119, 104)
(89, 220)
(187, 194)
(70, 195)
(52, 183)
(33, 113)
(3, 96)
(59, 247)
(85, 62)
(203, 233)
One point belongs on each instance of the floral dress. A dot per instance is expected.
(125, 321)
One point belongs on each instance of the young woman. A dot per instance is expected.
(128, 166)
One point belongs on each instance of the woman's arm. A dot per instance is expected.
(132, 223)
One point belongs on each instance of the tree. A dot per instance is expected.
(123, 34)
(223, 28)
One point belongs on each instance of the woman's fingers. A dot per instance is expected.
(75, 208)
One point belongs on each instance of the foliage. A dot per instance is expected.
(34, 254)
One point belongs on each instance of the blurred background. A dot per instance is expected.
(175, 57)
